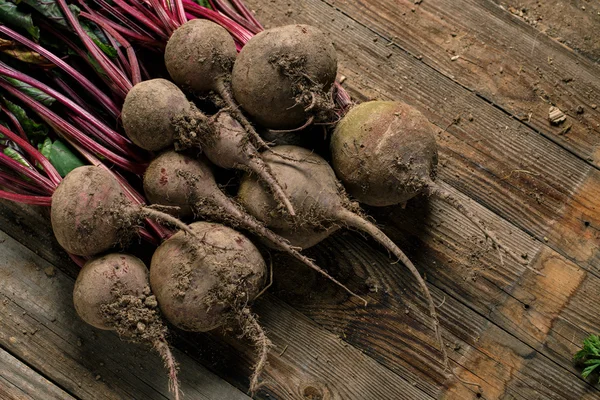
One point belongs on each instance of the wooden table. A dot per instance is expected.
(486, 73)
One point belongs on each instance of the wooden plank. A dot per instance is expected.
(19, 382)
(500, 57)
(574, 24)
(395, 329)
(494, 159)
(39, 325)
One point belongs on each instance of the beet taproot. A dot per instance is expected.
(221, 137)
(90, 212)
(112, 292)
(385, 153)
(322, 207)
(209, 284)
(174, 179)
(283, 77)
(148, 110)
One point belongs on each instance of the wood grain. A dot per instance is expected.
(500, 58)
(574, 24)
(19, 382)
(38, 324)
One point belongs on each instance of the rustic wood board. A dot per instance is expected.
(19, 382)
(507, 329)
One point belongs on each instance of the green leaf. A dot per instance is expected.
(15, 155)
(50, 10)
(590, 368)
(30, 91)
(10, 15)
(63, 159)
(98, 36)
(35, 131)
(203, 3)
(45, 147)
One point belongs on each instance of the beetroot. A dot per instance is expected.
(112, 292)
(174, 179)
(148, 110)
(322, 207)
(283, 77)
(209, 284)
(385, 153)
(91, 214)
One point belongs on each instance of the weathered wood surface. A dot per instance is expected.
(19, 382)
(572, 23)
(507, 329)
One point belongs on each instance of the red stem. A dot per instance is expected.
(17, 184)
(70, 131)
(103, 99)
(26, 199)
(235, 29)
(114, 73)
(179, 11)
(32, 174)
(241, 7)
(231, 13)
(125, 21)
(111, 137)
(136, 76)
(142, 14)
(49, 169)
(14, 121)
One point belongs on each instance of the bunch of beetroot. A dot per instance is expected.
(206, 275)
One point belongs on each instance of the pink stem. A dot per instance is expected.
(32, 174)
(70, 92)
(162, 13)
(80, 261)
(49, 169)
(26, 199)
(115, 74)
(82, 80)
(179, 12)
(125, 21)
(241, 7)
(111, 137)
(14, 121)
(231, 13)
(70, 131)
(136, 76)
(17, 184)
(235, 29)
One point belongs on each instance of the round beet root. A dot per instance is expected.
(90, 213)
(384, 170)
(102, 281)
(200, 55)
(200, 286)
(148, 111)
(385, 153)
(283, 76)
(85, 212)
(112, 292)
